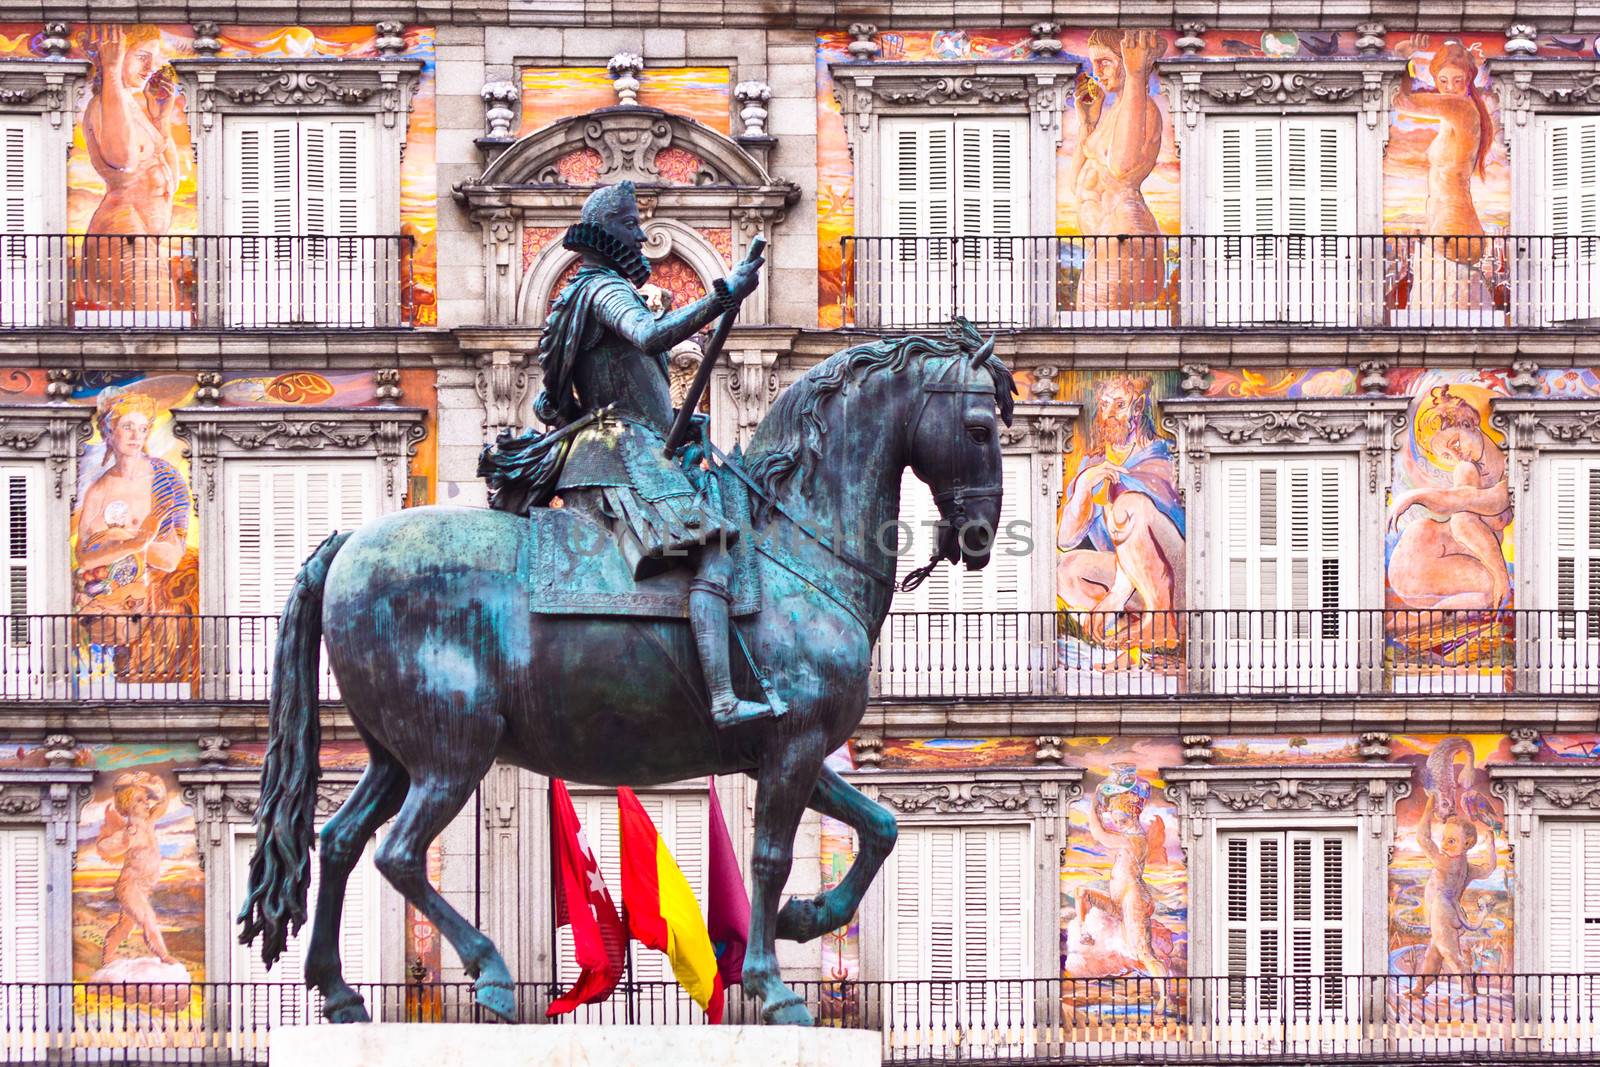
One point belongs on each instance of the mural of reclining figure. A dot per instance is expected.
(1452, 558)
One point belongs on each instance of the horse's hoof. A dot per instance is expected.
(498, 997)
(348, 1008)
(791, 1011)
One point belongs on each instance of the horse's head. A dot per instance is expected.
(954, 444)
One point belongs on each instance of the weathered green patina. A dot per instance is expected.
(444, 668)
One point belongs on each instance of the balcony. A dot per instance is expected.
(1493, 1018)
(129, 282)
(933, 656)
(1188, 282)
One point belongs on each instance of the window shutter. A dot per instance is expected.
(919, 176)
(1318, 194)
(259, 197)
(1572, 154)
(19, 179)
(1244, 177)
(337, 194)
(991, 177)
(359, 924)
(22, 904)
(1320, 882)
(918, 514)
(1572, 909)
(1573, 582)
(1284, 522)
(959, 904)
(20, 511)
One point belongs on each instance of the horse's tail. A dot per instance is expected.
(280, 870)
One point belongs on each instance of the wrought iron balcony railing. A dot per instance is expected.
(1340, 281)
(1003, 655)
(1387, 1019)
(130, 282)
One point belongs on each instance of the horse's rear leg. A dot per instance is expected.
(429, 806)
(376, 797)
(804, 918)
(783, 786)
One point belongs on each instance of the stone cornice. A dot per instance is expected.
(1529, 86)
(45, 87)
(1345, 85)
(381, 87)
(1534, 425)
(1036, 794)
(54, 431)
(228, 796)
(1354, 788)
(50, 796)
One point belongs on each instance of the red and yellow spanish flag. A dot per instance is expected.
(660, 907)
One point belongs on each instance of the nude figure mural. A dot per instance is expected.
(1449, 272)
(1449, 553)
(1119, 140)
(138, 799)
(1116, 821)
(1122, 525)
(127, 127)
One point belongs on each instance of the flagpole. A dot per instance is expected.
(555, 943)
(628, 963)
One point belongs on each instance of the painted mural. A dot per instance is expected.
(1450, 878)
(1124, 884)
(131, 171)
(699, 93)
(1446, 175)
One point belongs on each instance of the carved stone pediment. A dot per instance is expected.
(1534, 425)
(1528, 86)
(381, 87)
(1196, 86)
(1530, 789)
(1040, 427)
(50, 797)
(990, 793)
(54, 432)
(223, 796)
(1203, 792)
(866, 91)
(47, 87)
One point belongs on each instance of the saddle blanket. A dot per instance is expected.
(571, 565)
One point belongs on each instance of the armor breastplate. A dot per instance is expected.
(611, 371)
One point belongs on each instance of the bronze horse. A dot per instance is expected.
(444, 669)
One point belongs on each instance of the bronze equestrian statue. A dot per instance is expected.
(564, 641)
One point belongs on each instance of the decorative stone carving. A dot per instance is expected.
(1046, 40)
(1522, 39)
(386, 387)
(208, 387)
(59, 383)
(753, 385)
(862, 46)
(682, 362)
(1268, 87)
(57, 430)
(868, 752)
(1373, 378)
(56, 41)
(367, 86)
(391, 38)
(624, 69)
(1196, 379)
(1191, 38)
(15, 801)
(1524, 744)
(1371, 38)
(47, 87)
(500, 99)
(1047, 749)
(971, 797)
(1045, 387)
(1197, 749)
(1369, 790)
(298, 88)
(213, 748)
(502, 385)
(752, 98)
(1374, 747)
(60, 750)
(1524, 380)
(206, 36)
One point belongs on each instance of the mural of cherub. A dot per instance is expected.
(138, 800)
(1453, 871)
(1115, 822)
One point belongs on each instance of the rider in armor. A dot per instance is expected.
(603, 351)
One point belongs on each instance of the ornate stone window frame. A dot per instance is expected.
(1367, 427)
(988, 797)
(49, 89)
(1199, 88)
(1537, 427)
(387, 436)
(216, 89)
(50, 437)
(49, 798)
(868, 92)
(1528, 90)
(523, 189)
(1042, 431)
(1534, 794)
(1359, 796)
(224, 800)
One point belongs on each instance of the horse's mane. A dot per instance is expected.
(795, 420)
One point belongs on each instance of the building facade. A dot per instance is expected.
(1273, 726)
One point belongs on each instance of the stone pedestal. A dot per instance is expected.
(565, 1045)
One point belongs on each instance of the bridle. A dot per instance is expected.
(959, 494)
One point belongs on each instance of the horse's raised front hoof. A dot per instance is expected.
(498, 997)
(346, 1007)
(790, 1010)
(802, 919)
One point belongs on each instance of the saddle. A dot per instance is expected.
(571, 564)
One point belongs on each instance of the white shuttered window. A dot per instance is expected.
(20, 511)
(1572, 573)
(1571, 196)
(959, 903)
(1572, 897)
(1289, 908)
(1288, 526)
(22, 261)
(22, 904)
(1289, 175)
(278, 512)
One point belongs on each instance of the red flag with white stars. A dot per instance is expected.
(582, 901)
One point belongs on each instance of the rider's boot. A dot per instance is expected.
(708, 615)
